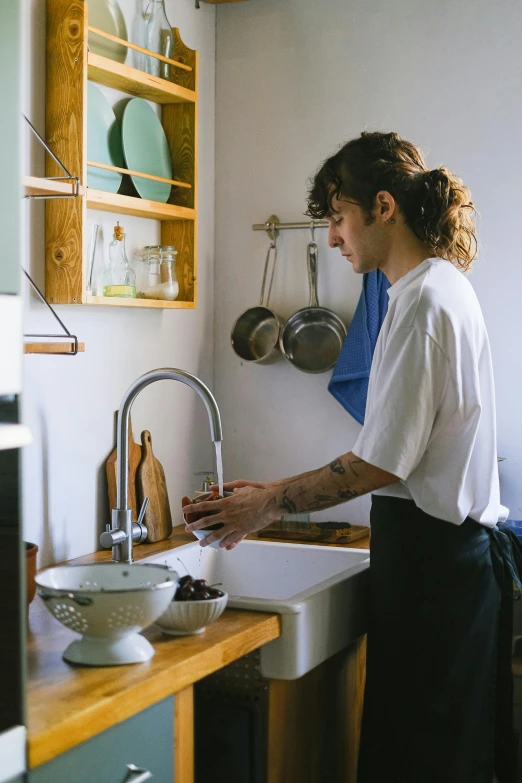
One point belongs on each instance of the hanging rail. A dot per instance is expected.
(271, 225)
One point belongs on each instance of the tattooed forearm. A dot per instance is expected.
(325, 501)
(288, 505)
(347, 494)
(337, 467)
(355, 462)
(345, 478)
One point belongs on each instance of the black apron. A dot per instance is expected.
(438, 705)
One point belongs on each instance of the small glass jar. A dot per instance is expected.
(168, 279)
(157, 273)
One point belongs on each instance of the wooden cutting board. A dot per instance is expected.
(111, 469)
(150, 483)
(315, 532)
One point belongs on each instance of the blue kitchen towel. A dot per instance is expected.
(349, 381)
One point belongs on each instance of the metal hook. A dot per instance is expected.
(312, 229)
(270, 227)
(272, 234)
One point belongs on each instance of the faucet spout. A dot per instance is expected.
(122, 515)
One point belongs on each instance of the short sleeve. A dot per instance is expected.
(404, 396)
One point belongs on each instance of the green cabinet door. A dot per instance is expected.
(145, 740)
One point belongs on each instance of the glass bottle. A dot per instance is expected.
(158, 37)
(119, 278)
(139, 60)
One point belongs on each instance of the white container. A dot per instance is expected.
(188, 617)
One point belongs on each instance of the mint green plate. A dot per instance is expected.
(146, 149)
(106, 15)
(103, 141)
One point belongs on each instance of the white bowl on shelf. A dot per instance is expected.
(108, 604)
(187, 617)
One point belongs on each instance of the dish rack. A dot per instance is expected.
(70, 65)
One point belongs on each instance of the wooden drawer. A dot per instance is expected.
(146, 740)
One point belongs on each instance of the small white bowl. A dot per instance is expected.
(186, 617)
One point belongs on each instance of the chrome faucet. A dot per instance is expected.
(124, 531)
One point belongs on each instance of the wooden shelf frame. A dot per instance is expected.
(69, 66)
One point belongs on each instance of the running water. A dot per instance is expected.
(219, 465)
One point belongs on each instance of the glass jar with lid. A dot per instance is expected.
(168, 279)
(157, 273)
(147, 267)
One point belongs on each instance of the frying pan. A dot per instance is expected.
(311, 338)
(255, 334)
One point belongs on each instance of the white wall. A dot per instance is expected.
(69, 402)
(294, 81)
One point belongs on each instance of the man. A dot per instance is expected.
(437, 700)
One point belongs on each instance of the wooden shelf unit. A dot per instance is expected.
(69, 66)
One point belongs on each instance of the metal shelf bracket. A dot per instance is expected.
(66, 331)
(68, 177)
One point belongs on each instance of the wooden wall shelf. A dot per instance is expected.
(154, 303)
(56, 348)
(140, 207)
(39, 186)
(69, 66)
(134, 82)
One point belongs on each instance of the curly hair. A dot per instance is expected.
(436, 204)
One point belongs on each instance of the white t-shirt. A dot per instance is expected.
(430, 412)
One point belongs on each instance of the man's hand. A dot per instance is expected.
(252, 507)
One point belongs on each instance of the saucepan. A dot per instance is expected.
(311, 339)
(255, 334)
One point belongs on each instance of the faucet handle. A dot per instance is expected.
(110, 538)
(139, 531)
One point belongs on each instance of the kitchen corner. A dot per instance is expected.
(69, 705)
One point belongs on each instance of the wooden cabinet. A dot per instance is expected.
(70, 65)
(145, 740)
(282, 731)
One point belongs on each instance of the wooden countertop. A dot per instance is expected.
(69, 704)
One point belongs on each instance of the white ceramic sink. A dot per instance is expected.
(319, 591)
